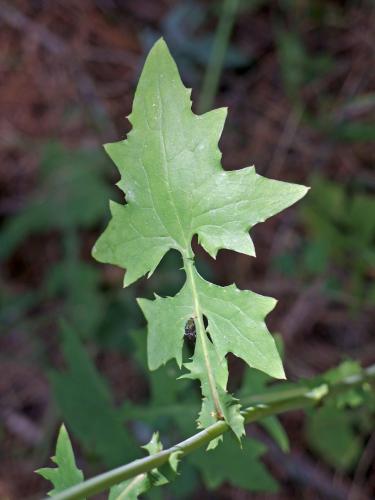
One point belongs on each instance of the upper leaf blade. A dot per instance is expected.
(175, 187)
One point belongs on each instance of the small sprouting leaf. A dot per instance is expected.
(176, 188)
(132, 488)
(154, 445)
(66, 474)
(353, 396)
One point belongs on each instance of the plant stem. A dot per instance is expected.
(219, 48)
(202, 335)
(287, 401)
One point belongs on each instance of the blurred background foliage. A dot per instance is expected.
(299, 82)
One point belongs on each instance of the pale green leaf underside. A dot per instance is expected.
(175, 187)
(174, 183)
(66, 474)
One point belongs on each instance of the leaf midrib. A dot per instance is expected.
(165, 164)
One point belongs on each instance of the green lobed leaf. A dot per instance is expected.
(66, 474)
(175, 188)
(235, 324)
(173, 181)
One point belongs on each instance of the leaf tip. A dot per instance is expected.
(128, 280)
(301, 191)
(281, 373)
(159, 46)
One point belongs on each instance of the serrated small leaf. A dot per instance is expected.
(154, 445)
(66, 474)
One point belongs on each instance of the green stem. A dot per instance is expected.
(286, 402)
(202, 335)
(219, 48)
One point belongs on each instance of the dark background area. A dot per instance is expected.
(299, 82)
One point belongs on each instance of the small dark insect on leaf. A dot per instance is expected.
(190, 333)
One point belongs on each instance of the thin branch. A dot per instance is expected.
(271, 404)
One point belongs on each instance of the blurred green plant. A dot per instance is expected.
(337, 430)
(300, 68)
(340, 241)
(68, 199)
(86, 405)
(69, 196)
